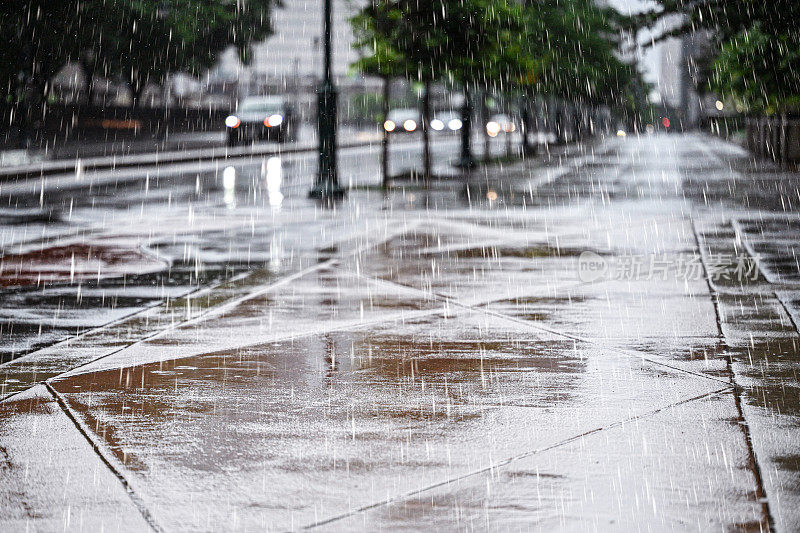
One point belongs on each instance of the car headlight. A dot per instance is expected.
(508, 127)
(273, 120)
(389, 125)
(454, 124)
(409, 125)
(492, 128)
(437, 124)
(232, 121)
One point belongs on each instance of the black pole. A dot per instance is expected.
(385, 139)
(466, 160)
(487, 141)
(426, 134)
(327, 183)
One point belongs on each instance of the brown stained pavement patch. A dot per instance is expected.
(376, 410)
(74, 262)
(615, 480)
(764, 349)
(342, 391)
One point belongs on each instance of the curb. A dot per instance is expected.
(78, 165)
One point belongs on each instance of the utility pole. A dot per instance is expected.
(327, 184)
(387, 88)
(466, 160)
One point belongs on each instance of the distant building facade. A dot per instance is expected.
(292, 56)
(291, 60)
(681, 79)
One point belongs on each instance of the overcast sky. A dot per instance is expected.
(649, 60)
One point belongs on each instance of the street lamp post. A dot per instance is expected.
(466, 160)
(327, 184)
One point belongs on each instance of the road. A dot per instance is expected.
(600, 338)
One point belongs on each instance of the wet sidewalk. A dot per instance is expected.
(604, 340)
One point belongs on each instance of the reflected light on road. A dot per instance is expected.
(229, 186)
(274, 178)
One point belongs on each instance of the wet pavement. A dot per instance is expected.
(600, 338)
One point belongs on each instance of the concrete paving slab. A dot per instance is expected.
(50, 477)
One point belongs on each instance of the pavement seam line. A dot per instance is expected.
(779, 295)
(208, 314)
(736, 224)
(405, 228)
(737, 389)
(175, 326)
(536, 327)
(194, 292)
(774, 286)
(511, 459)
(712, 290)
(231, 304)
(109, 461)
(349, 326)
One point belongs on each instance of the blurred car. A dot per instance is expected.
(262, 118)
(500, 123)
(403, 120)
(446, 120)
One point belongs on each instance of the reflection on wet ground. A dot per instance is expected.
(295, 430)
(420, 360)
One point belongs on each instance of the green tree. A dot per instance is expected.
(454, 41)
(144, 40)
(572, 49)
(756, 47)
(138, 40)
(566, 49)
(759, 70)
(38, 37)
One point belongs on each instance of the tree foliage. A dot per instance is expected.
(572, 48)
(566, 48)
(757, 47)
(137, 40)
(462, 41)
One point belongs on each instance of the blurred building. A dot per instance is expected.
(683, 72)
(290, 61)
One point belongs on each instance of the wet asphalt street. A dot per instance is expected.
(600, 338)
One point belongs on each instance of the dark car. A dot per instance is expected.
(262, 118)
(404, 120)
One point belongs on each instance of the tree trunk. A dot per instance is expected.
(487, 142)
(508, 141)
(525, 127)
(88, 73)
(136, 87)
(466, 160)
(426, 134)
(385, 139)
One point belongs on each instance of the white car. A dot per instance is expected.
(262, 117)
(446, 120)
